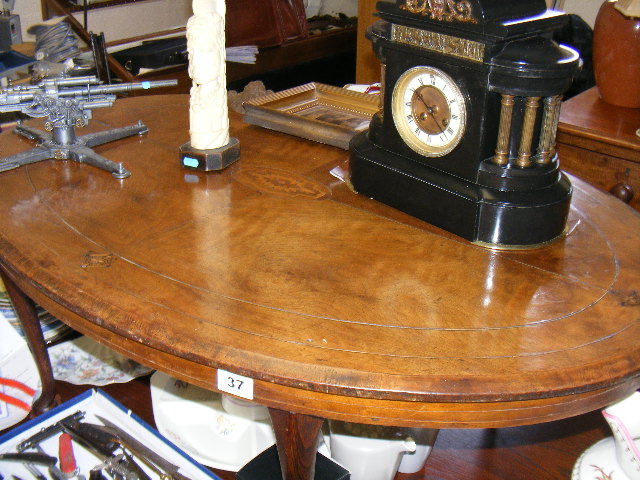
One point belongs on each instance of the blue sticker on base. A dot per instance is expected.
(190, 162)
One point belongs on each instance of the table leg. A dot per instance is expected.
(297, 442)
(26, 311)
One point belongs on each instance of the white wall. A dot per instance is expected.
(118, 22)
(587, 9)
(29, 11)
(334, 7)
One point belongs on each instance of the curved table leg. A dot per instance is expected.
(297, 441)
(26, 311)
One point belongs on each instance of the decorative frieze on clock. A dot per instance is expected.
(442, 10)
(438, 42)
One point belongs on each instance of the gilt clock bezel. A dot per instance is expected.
(415, 138)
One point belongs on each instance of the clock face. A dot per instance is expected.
(429, 111)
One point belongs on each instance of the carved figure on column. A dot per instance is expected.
(209, 121)
(210, 147)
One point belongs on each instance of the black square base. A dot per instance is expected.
(487, 216)
(210, 160)
(266, 466)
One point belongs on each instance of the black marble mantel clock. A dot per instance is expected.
(470, 99)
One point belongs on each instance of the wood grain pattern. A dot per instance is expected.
(337, 306)
(297, 453)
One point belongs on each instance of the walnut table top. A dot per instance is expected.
(337, 306)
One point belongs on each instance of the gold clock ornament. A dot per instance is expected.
(429, 111)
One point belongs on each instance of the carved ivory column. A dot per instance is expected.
(210, 147)
(208, 114)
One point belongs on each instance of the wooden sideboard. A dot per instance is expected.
(599, 143)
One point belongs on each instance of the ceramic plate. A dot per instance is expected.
(598, 462)
(52, 328)
(83, 361)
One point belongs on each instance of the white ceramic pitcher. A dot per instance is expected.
(424, 438)
(369, 452)
(624, 420)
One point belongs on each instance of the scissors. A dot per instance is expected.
(19, 386)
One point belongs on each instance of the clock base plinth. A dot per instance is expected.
(507, 219)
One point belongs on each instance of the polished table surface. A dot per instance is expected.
(335, 305)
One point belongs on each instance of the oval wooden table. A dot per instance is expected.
(335, 305)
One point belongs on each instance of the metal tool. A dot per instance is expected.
(48, 432)
(33, 442)
(68, 102)
(108, 445)
(38, 458)
(116, 467)
(34, 471)
(54, 471)
(142, 450)
(103, 446)
(88, 438)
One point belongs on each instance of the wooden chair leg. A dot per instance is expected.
(26, 311)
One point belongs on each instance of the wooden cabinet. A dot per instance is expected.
(599, 142)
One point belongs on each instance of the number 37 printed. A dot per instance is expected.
(235, 384)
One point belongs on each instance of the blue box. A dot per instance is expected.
(96, 402)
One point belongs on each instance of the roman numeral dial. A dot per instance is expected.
(429, 111)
